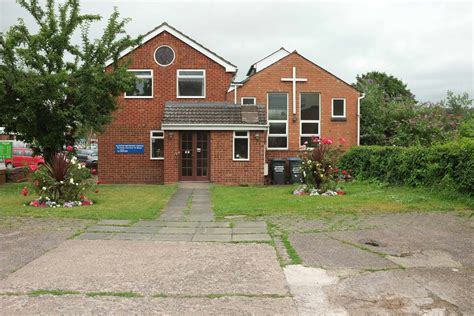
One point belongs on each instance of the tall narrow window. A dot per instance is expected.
(191, 84)
(248, 101)
(241, 145)
(278, 120)
(143, 87)
(309, 116)
(157, 144)
(339, 108)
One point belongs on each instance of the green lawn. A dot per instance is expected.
(121, 201)
(361, 198)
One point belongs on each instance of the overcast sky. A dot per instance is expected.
(429, 45)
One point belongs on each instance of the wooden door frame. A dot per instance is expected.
(194, 157)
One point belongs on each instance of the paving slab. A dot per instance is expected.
(105, 228)
(178, 230)
(114, 222)
(212, 237)
(83, 305)
(214, 230)
(249, 230)
(150, 267)
(149, 223)
(180, 224)
(95, 236)
(251, 237)
(215, 224)
(131, 236)
(250, 224)
(142, 229)
(172, 237)
(200, 218)
(321, 251)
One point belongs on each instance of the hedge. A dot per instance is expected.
(448, 166)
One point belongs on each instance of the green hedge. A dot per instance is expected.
(448, 166)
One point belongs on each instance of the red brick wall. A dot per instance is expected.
(171, 157)
(136, 117)
(269, 80)
(225, 170)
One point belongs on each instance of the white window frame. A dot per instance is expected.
(144, 77)
(174, 55)
(310, 121)
(204, 82)
(332, 108)
(277, 121)
(253, 98)
(151, 143)
(248, 146)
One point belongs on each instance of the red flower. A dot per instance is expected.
(344, 172)
(315, 139)
(33, 167)
(350, 170)
(94, 171)
(24, 191)
(99, 182)
(35, 203)
(86, 202)
(69, 148)
(340, 192)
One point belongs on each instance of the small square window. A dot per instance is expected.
(191, 84)
(157, 143)
(143, 87)
(339, 108)
(241, 145)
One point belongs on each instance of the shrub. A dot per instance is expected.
(62, 180)
(318, 164)
(448, 166)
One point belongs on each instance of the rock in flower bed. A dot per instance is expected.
(305, 190)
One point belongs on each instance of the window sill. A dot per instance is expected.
(157, 158)
(276, 149)
(240, 160)
(338, 119)
(189, 97)
(137, 97)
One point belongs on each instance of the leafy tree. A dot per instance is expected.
(51, 87)
(384, 95)
(457, 104)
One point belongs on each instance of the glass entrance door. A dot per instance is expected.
(194, 162)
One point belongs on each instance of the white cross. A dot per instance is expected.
(294, 80)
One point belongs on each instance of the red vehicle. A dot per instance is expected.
(23, 157)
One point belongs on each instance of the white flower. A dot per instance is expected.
(43, 188)
(77, 184)
(61, 182)
(47, 198)
(71, 181)
(79, 166)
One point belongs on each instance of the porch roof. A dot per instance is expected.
(213, 115)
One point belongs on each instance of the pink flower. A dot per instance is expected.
(24, 191)
(33, 167)
(344, 172)
(327, 141)
(35, 203)
(94, 171)
(69, 148)
(315, 139)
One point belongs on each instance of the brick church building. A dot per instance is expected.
(187, 120)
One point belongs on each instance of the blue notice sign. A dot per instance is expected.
(129, 148)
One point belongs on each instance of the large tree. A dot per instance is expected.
(384, 95)
(50, 86)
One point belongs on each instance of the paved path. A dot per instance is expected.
(188, 216)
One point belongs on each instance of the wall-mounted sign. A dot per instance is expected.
(129, 148)
(5, 150)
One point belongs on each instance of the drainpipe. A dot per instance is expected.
(358, 117)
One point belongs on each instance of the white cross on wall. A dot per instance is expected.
(294, 80)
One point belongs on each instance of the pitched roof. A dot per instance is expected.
(217, 115)
(267, 61)
(165, 27)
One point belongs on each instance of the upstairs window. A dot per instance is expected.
(309, 116)
(157, 144)
(164, 55)
(191, 84)
(278, 120)
(339, 108)
(241, 145)
(248, 101)
(143, 87)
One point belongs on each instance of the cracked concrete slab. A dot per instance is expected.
(160, 267)
(83, 305)
(321, 251)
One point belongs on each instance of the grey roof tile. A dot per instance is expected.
(213, 113)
